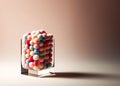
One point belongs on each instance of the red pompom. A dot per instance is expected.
(28, 42)
(35, 63)
(31, 58)
(50, 55)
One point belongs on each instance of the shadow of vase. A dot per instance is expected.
(78, 75)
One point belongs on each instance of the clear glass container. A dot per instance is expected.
(37, 59)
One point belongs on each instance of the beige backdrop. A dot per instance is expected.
(83, 29)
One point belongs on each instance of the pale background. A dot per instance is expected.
(85, 31)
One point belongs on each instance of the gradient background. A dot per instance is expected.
(86, 33)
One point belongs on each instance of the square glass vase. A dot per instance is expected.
(37, 62)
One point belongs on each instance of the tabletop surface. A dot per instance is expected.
(81, 73)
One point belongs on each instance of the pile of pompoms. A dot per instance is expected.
(37, 48)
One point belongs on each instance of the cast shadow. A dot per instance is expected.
(80, 75)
